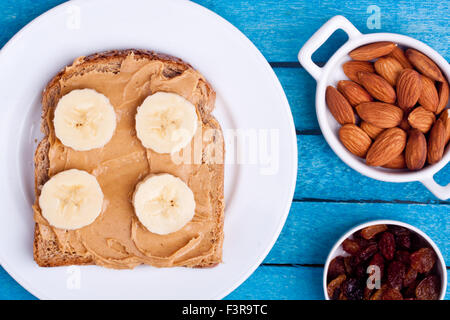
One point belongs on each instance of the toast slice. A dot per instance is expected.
(56, 247)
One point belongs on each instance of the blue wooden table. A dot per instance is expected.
(330, 197)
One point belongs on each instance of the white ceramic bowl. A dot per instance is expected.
(337, 251)
(332, 72)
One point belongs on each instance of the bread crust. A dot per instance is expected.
(47, 252)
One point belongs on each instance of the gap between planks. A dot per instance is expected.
(370, 201)
(291, 64)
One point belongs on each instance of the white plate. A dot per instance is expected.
(249, 96)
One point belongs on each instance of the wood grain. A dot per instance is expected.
(284, 283)
(280, 28)
(328, 221)
(323, 176)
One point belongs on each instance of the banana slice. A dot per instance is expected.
(71, 199)
(166, 122)
(163, 203)
(84, 120)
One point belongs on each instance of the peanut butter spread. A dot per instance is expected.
(116, 239)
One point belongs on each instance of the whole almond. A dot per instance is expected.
(429, 98)
(421, 119)
(339, 107)
(389, 68)
(424, 64)
(379, 114)
(445, 118)
(372, 51)
(388, 145)
(354, 93)
(355, 139)
(416, 150)
(398, 162)
(436, 142)
(371, 130)
(378, 88)
(399, 54)
(409, 88)
(443, 92)
(351, 69)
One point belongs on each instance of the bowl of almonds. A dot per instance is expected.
(382, 104)
(385, 260)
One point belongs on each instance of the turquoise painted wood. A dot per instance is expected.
(329, 197)
(279, 28)
(11, 290)
(322, 175)
(284, 283)
(267, 282)
(312, 228)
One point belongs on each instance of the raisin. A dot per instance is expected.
(423, 260)
(378, 260)
(334, 287)
(403, 242)
(360, 271)
(428, 288)
(410, 291)
(350, 246)
(353, 289)
(371, 231)
(392, 294)
(396, 274)
(348, 265)
(410, 277)
(367, 252)
(399, 231)
(417, 242)
(367, 293)
(387, 245)
(378, 295)
(404, 274)
(403, 256)
(336, 268)
(342, 296)
(363, 243)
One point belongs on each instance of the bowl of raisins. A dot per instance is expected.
(385, 260)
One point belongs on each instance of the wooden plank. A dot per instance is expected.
(280, 28)
(281, 283)
(312, 228)
(322, 175)
(284, 283)
(267, 282)
(300, 89)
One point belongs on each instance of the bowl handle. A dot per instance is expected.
(319, 38)
(442, 192)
